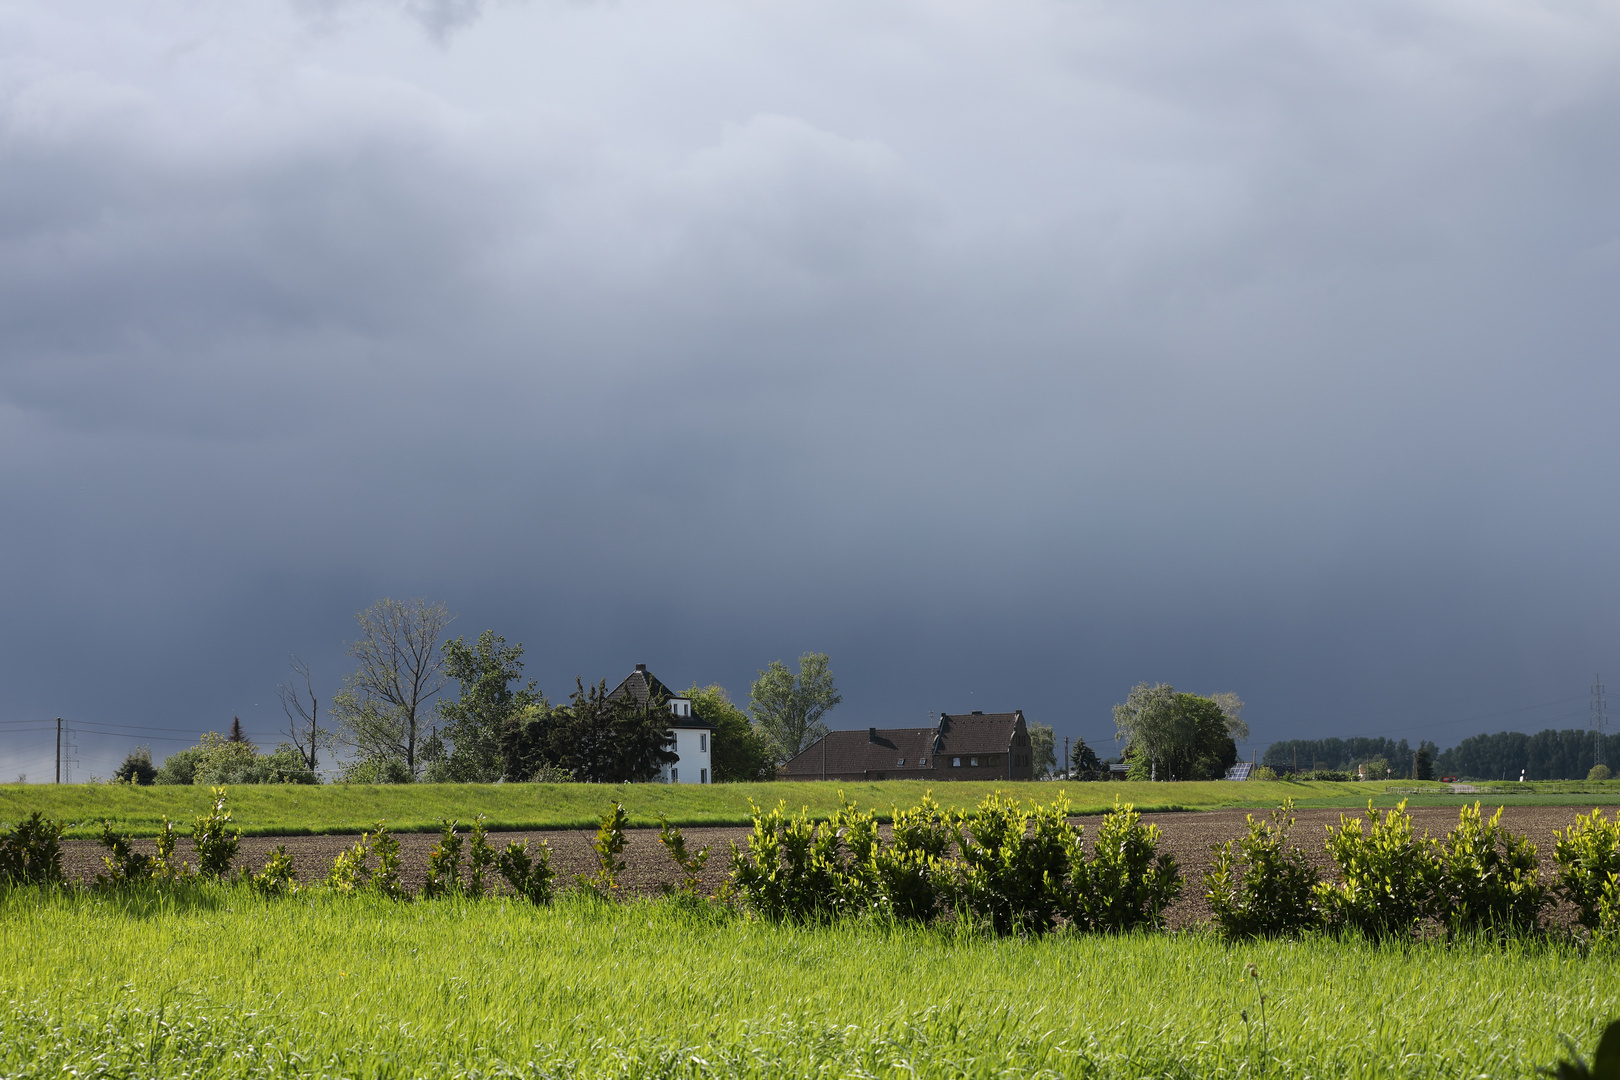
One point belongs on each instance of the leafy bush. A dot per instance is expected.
(1488, 879)
(529, 878)
(1126, 883)
(165, 864)
(690, 864)
(217, 760)
(789, 870)
(480, 857)
(277, 878)
(1013, 863)
(375, 770)
(137, 767)
(1327, 774)
(1264, 772)
(31, 853)
(1261, 885)
(912, 871)
(216, 842)
(1599, 771)
(608, 845)
(444, 864)
(1387, 875)
(1588, 857)
(125, 863)
(386, 880)
(349, 873)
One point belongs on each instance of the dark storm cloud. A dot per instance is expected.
(1010, 353)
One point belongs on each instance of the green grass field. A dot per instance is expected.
(321, 986)
(342, 808)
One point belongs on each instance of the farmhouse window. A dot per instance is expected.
(991, 760)
(922, 761)
(955, 762)
(902, 761)
(703, 743)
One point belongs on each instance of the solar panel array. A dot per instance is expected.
(1240, 771)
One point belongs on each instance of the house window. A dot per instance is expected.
(703, 776)
(956, 762)
(922, 761)
(674, 776)
(902, 761)
(991, 760)
(703, 743)
(973, 761)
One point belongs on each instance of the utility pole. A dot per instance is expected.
(1066, 775)
(58, 749)
(1598, 718)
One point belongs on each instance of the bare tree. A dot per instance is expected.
(382, 708)
(303, 711)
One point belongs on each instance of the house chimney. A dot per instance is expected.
(871, 734)
(978, 712)
(641, 667)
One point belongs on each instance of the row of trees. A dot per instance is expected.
(1570, 754)
(396, 721)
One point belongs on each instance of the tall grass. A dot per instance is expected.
(216, 982)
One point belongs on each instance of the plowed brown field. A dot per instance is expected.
(1189, 836)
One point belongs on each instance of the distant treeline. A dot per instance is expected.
(1547, 755)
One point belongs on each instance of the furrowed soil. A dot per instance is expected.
(1188, 836)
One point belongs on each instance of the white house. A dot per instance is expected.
(692, 734)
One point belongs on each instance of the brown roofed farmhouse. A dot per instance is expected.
(961, 746)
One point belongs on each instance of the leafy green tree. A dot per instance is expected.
(487, 705)
(1422, 765)
(1083, 761)
(1043, 748)
(217, 760)
(137, 767)
(399, 669)
(604, 741)
(737, 749)
(526, 744)
(1175, 736)
(788, 708)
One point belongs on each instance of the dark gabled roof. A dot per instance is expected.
(640, 684)
(861, 751)
(977, 733)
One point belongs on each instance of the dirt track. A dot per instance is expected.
(1188, 836)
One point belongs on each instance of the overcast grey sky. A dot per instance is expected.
(1010, 351)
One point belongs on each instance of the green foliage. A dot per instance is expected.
(386, 881)
(1422, 765)
(1598, 773)
(530, 878)
(375, 770)
(1488, 877)
(1605, 1063)
(1042, 749)
(790, 869)
(1084, 763)
(349, 873)
(166, 864)
(1013, 862)
(486, 707)
(1175, 736)
(1127, 883)
(1588, 858)
(216, 842)
(31, 853)
(1264, 774)
(217, 760)
(444, 864)
(277, 878)
(608, 845)
(526, 747)
(1387, 875)
(788, 706)
(124, 864)
(1261, 885)
(603, 740)
(690, 864)
(738, 752)
(137, 768)
(912, 871)
(480, 857)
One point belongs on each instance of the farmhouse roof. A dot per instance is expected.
(895, 751)
(642, 684)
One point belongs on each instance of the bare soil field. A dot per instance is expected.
(1188, 836)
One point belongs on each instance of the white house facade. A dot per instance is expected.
(692, 737)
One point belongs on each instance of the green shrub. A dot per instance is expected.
(1599, 771)
(124, 864)
(690, 864)
(789, 870)
(608, 845)
(215, 841)
(1261, 885)
(1488, 878)
(137, 767)
(444, 864)
(349, 873)
(278, 877)
(31, 853)
(1387, 875)
(1013, 863)
(165, 864)
(386, 880)
(1588, 857)
(480, 857)
(1264, 772)
(375, 770)
(912, 871)
(529, 878)
(1127, 883)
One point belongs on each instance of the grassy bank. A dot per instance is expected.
(342, 808)
(321, 986)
